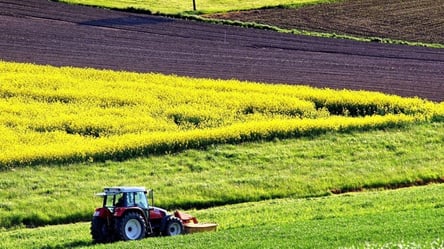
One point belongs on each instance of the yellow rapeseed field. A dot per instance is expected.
(63, 115)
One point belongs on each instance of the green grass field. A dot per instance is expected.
(226, 174)
(202, 6)
(403, 218)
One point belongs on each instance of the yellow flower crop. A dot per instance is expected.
(51, 114)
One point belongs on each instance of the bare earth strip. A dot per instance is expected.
(409, 20)
(45, 32)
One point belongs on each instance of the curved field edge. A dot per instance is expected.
(186, 7)
(365, 20)
(404, 217)
(386, 40)
(204, 14)
(224, 174)
(106, 115)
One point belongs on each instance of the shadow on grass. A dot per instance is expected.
(73, 244)
(126, 21)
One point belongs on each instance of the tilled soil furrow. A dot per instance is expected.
(396, 19)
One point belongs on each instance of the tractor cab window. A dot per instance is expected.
(119, 200)
(130, 199)
(141, 200)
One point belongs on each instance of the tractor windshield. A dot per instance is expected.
(125, 199)
(140, 200)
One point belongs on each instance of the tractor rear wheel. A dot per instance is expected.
(100, 231)
(131, 226)
(173, 226)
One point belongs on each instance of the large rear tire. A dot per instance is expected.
(100, 231)
(131, 226)
(173, 226)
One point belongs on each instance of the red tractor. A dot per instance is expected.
(127, 215)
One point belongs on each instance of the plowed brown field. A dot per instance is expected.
(410, 20)
(44, 32)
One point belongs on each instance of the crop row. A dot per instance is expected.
(53, 115)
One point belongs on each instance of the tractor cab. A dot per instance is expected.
(124, 197)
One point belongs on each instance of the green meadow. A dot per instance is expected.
(402, 218)
(228, 174)
(202, 6)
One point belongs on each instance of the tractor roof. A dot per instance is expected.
(122, 189)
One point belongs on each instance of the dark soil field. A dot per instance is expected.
(410, 20)
(45, 32)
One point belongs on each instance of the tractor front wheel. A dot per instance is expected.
(131, 226)
(173, 226)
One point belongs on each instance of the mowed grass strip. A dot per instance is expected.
(224, 174)
(383, 219)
